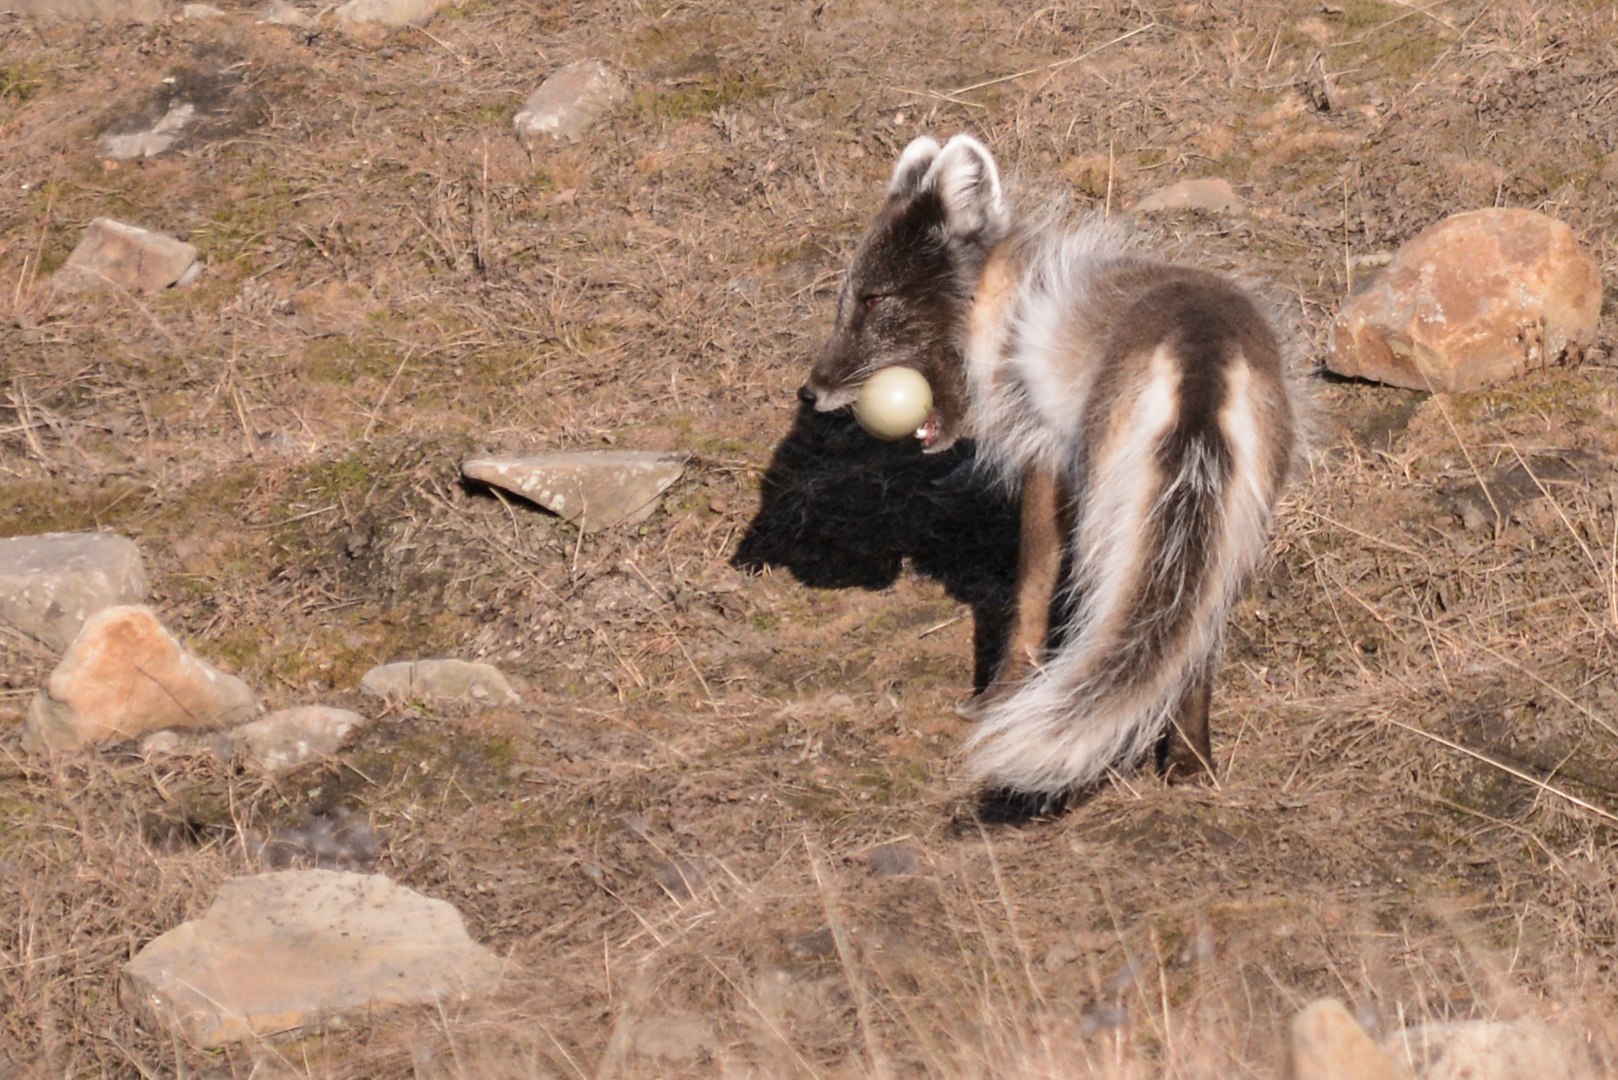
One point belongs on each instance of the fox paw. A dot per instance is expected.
(970, 707)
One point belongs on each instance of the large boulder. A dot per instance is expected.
(282, 951)
(51, 582)
(1477, 298)
(125, 675)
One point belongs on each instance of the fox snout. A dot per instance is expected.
(830, 384)
(823, 398)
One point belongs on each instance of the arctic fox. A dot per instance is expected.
(1146, 411)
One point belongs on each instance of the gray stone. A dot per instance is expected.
(1328, 1044)
(162, 135)
(1478, 298)
(107, 11)
(593, 489)
(167, 743)
(1488, 1050)
(123, 676)
(893, 860)
(161, 744)
(190, 106)
(281, 951)
(1214, 196)
(338, 841)
(391, 12)
(455, 680)
(569, 102)
(113, 255)
(289, 737)
(677, 1039)
(52, 582)
(681, 877)
(201, 11)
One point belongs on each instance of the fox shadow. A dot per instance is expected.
(842, 510)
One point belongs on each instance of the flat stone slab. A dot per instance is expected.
(569, 102)
(453, 680)
(113, 255)
(281, 13)
(1476, 299)
(287, 738)
(278, 952)
(391, 12)
(125, 675)
(107, 11)
(594, 489)
(152, 141)
(51, 583)
(1215, 196)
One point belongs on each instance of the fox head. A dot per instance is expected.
(909, 290)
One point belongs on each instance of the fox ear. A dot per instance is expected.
(969, 185)
(912, 169)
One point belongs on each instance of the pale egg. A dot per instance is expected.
(894, 403)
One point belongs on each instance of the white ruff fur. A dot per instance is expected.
(1037, 331)
(1032, 346)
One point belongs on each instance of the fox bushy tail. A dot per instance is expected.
(1166, 531)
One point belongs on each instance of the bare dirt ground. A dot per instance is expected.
(725, 833)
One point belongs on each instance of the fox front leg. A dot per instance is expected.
(1039, 566)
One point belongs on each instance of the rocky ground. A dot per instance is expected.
(724, 830)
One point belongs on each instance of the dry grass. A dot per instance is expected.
(672, 838)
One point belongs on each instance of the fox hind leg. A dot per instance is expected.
(1185, 753)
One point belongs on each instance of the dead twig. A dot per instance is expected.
(1549, 789)
(1057, 66)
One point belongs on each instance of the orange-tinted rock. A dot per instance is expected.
(123, 676)
(1474, 300)
(1328, 1044)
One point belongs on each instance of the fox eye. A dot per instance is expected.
(872, 299)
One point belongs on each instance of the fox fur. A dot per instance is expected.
(1145, 409)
